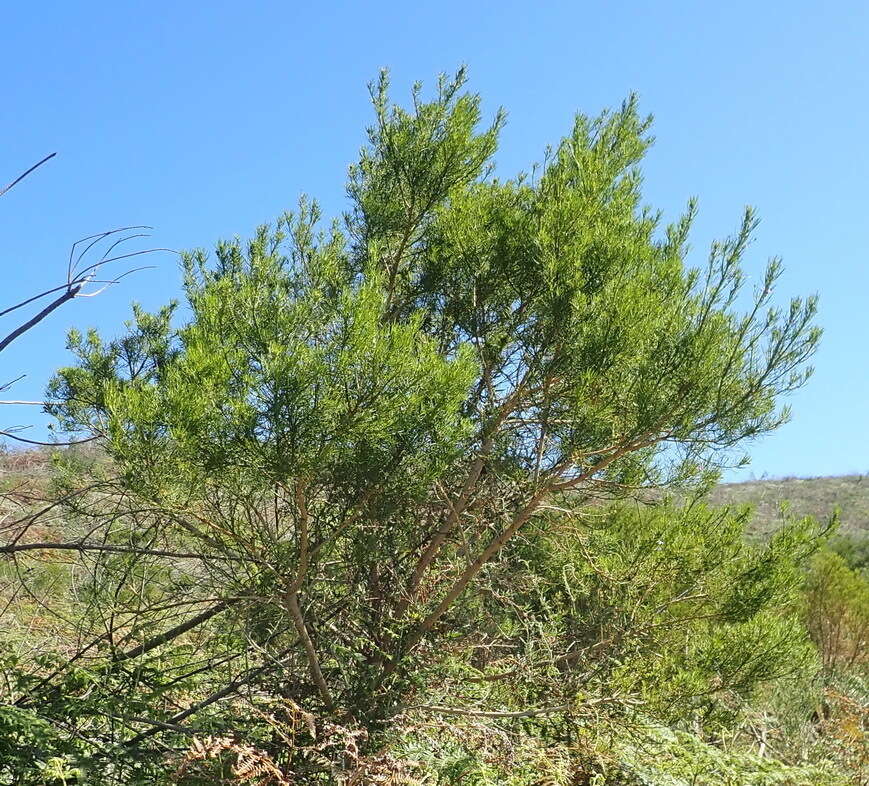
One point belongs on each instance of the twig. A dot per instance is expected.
(10, 435)
(471, 713)
(79, 546)
(178, 630)
(21, 177)
(474, 713)
(229, 689)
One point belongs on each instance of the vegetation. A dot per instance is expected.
(816, 497)
(374, 512)
(807, 716)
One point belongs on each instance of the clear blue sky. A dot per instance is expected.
(205, 119)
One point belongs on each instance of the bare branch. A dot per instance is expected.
(36, 319)
(10, 435)
(474, 713)
(100, 547)
(178, 630)
(25, 174)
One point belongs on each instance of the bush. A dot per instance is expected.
(837, 612)
(666, 607)
(349, 477)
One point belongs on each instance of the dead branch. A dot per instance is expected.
(25, 174)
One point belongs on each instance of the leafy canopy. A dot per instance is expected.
(366, 413)
(446, 298)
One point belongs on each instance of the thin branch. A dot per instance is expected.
(82, 274)
(36, 319)
(163, 725)
(33, 298)
(10, 435)
(78, 546)
(21, 177)
(72, 265)
(228, 690)
(11, 382)
(178, 630)
(491, 713)
(472, 713)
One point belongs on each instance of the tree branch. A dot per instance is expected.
(178, 630)
(37, 318)
(25, 174)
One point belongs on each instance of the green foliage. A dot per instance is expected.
(351, 469)
(666, 607)
(447, 291)
(854, 550)
(650, 756)
(837, 611)
(674, 758)
(31, 751)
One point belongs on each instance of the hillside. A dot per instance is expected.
(817, 497)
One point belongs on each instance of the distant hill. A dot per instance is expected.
(816, 497)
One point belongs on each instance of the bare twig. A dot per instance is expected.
(101, 547)
(25, 174)
(10, 435)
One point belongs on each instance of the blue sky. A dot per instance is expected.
(206, 119)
